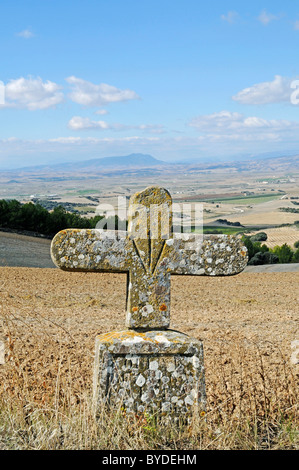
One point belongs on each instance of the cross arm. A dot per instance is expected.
(210, 255)
(90, 250)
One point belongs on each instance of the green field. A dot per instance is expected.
(216, 229)
(244, 201)
(81, 192)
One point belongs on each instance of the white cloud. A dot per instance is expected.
(70, 140)
(296, 25)
(225, 121)
(232, 126)
(78, 123)
(35, 145)
(277, 91)
(102, 112)
(32, 94)
(89, 94)
(26, 33)
(266, 18)
(230, 17)
(151, 128)
(213, 143)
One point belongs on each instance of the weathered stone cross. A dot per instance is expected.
(150, 253)
(149, 368)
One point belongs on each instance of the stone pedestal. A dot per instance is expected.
(156, 372)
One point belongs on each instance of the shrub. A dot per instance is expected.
(295, 258)
(254, 248)
(249, 245)
(258, 247)
(259, 237)
(263, 258)
(284, 253)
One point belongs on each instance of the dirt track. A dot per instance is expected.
(21, 250)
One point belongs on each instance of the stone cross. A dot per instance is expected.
(150, 253)
(149, 368)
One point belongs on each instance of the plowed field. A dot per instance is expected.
(249, 325)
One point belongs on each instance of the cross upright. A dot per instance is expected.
(150, 253)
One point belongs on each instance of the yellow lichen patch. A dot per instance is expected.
(120, 335)
(163, 307)
(109, 338)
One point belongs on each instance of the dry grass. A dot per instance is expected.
(49, 321)
(246, 410)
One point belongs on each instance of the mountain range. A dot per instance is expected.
(138, 162)
(134, 160)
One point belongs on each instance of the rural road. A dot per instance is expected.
(20, 250)
(33, 252)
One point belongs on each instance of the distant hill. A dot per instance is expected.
(259, 163)
(134, 160)
(144, 164)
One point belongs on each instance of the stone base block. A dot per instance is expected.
(156, 372)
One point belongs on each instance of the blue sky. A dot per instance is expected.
(180, 80)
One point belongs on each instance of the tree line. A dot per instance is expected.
(35, 218)
(259, 253)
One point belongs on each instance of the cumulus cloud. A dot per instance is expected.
(32, 94)
(230, 17)
(89, 94)
(78, 123)
(266, 18)
(232, 126)
(227, 121)
(277, 91)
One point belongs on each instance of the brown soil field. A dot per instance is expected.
(253, 214)
(281, 235)
(248, 323)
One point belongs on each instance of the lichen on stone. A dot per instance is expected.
(150, 253)
(166, 373)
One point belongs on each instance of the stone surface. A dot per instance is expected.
(150, 253)
(149, 369)
(155, 372)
